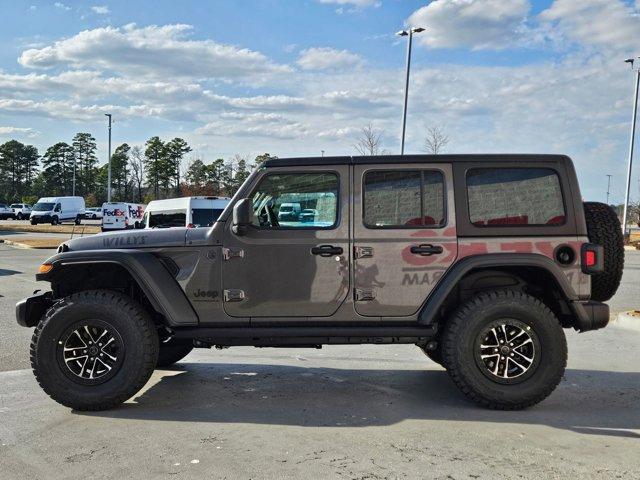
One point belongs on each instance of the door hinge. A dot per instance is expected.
(233, 295)
(229, 253)
(364, 294)
(363, 252)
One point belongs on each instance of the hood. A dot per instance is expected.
(146, 238)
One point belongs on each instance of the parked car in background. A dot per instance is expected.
(308, 215)
(190, 212)
(121, 215)
(289, 212)
(55, 210)
(93, 213)
(21, 210)
(6, 212)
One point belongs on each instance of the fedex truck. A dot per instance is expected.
(121, 215)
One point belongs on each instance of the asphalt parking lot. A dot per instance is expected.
(361, 412)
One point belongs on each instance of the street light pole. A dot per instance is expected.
(608, 188)
(109, 167)
(631, 145)
(405, 33)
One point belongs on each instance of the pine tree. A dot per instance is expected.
(18, 164)
(176, 149)
(57, 163)
(154, 158)
(120, 173)
(84, 146)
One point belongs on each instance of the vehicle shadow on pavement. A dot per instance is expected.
(587, 401)
(5, 273)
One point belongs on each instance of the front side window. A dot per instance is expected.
(514, 197)
(296, 200)
(403, 199)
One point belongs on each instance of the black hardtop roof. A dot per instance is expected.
(391, 159)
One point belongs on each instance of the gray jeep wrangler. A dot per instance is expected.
(479, 260)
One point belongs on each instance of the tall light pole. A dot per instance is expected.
(109, 167)
(608, 188)
(407, 33)
(631, 145)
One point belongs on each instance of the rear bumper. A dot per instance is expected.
(590, 315)
(30, 310)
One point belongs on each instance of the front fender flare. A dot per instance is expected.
(147, 270)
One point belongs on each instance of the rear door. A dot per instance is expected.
(284, 266)
(404, 235)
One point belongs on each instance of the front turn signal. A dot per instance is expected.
(45, 268)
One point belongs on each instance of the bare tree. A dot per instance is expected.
(369, 142)
(435, 141)
(137, 169)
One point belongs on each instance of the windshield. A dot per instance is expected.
(204, 217)
(43, 207)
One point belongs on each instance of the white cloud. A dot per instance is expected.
(153, 51)
(61, 6)
(11, 131)
(324, 58)
(476, 24)
(100, 9)
(612, 24)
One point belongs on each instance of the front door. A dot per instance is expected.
(294, 259)
(404, 235)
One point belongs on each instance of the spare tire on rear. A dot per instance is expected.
(603, 228)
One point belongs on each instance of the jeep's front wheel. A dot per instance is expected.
(172, 352)
(93, 350)
(505, 350)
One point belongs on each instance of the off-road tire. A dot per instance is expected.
(127, 317)
(459, 340)
(603, 228)
(171, 353)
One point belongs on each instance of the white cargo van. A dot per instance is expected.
(55, 210)
(188, 212)
(121, 215)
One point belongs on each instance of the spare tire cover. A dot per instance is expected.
(603, 228)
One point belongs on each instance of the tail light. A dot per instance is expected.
(592, 258)
(191, 225)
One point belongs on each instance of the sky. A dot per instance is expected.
(297, 77)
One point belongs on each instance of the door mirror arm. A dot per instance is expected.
(242, 216)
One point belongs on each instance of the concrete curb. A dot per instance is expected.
(628, 320)
(24, 245)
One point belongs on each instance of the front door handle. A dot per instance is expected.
(327, 250)
(426, 249)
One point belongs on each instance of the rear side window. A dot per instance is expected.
(205, 217)
(403, 199)
(501, 197)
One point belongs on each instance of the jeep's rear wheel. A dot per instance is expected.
(93, 350)
(172, 352)
(505, 350)
(603, 228)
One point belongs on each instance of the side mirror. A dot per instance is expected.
(242, 216)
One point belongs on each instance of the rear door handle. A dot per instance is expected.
(426, 249)
(327, 250)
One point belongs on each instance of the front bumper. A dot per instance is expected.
(590, 315)
(30, 310)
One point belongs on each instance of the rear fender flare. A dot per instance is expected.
(454, 275)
